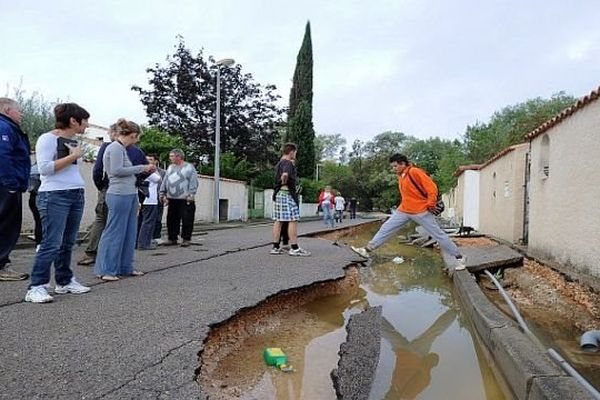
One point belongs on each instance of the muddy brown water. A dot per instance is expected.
(428, 349)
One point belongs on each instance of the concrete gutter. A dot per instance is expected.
(527, 369)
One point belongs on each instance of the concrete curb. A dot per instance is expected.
(359, 356)
(528, 370)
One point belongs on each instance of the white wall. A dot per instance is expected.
(501, 195)
(470, 207)
(236, 192)
(564, 218)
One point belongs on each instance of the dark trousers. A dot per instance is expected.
(285, 237)
(98, 225)
(158, 226)
(11, 218)
(148, 214)
(180, 219)
(36, 217)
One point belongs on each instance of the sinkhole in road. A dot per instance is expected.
(428, 349)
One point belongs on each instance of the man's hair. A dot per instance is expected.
(126, 128)
(289, 147)
(6, 103)
(178, 152)
(65, 111)
(399, 158)
(153, 156)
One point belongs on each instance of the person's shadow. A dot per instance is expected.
(414, 361)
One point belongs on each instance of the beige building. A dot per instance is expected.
(501, 194)
(564, 189)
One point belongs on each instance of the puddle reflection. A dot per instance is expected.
(427, 350)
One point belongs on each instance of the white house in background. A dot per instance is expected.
(233, 199)
(466, 196)
(564, 189)
(502, 194)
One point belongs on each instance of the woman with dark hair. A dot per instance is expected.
(117, 243)
(60, 202)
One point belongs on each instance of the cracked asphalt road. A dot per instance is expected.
(139, 338)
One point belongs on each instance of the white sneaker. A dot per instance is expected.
(461, 264)
(361, 251)
(299, 252)
(73, 287)
(276, 251)
(38, 294)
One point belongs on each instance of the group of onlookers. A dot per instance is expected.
(132, 191)
(333, 205)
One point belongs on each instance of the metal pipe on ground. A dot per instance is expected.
(553, 353)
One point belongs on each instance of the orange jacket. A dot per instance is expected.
(413, 201)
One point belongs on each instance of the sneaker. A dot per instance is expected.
(73, 287)
(276, 251)
(461, 264)
(186, 243)
(361, 251)
(38, 294)
(159, 241)
(88, 259)
(170, 243)
(8, 274)
(299, 252)
(286, 247)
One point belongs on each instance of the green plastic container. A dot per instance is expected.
(275, 357)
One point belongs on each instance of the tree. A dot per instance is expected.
(181, 100)
(156, 141)
(510, 125)
(329, 147)
(300, 125)
(38, 115)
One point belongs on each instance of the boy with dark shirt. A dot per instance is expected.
(285, 197)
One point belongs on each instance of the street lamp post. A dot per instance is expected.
(226, 62)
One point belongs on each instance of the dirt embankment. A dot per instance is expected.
(229, 336)
(546, 295)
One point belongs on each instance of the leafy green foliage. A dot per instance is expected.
(230, 167)
(156, 141)
(302, 128)
(38, 115)
(181, 100)
(300, 125)
(510, 125)
(330, 147)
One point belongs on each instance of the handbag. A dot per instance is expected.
(439, 205)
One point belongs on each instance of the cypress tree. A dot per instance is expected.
(300, 127)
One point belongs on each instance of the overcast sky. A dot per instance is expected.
(426, 68)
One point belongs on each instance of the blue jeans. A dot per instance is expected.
(60, 211)
(328, 215)
(425, 219)
(117, 243)
(148, 214)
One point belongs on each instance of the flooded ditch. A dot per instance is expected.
(428, 349)
(555, 308)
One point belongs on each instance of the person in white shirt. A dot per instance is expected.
(340, 206)
(149, 210)
(60, 202)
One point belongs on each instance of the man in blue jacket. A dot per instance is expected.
(14, 180)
